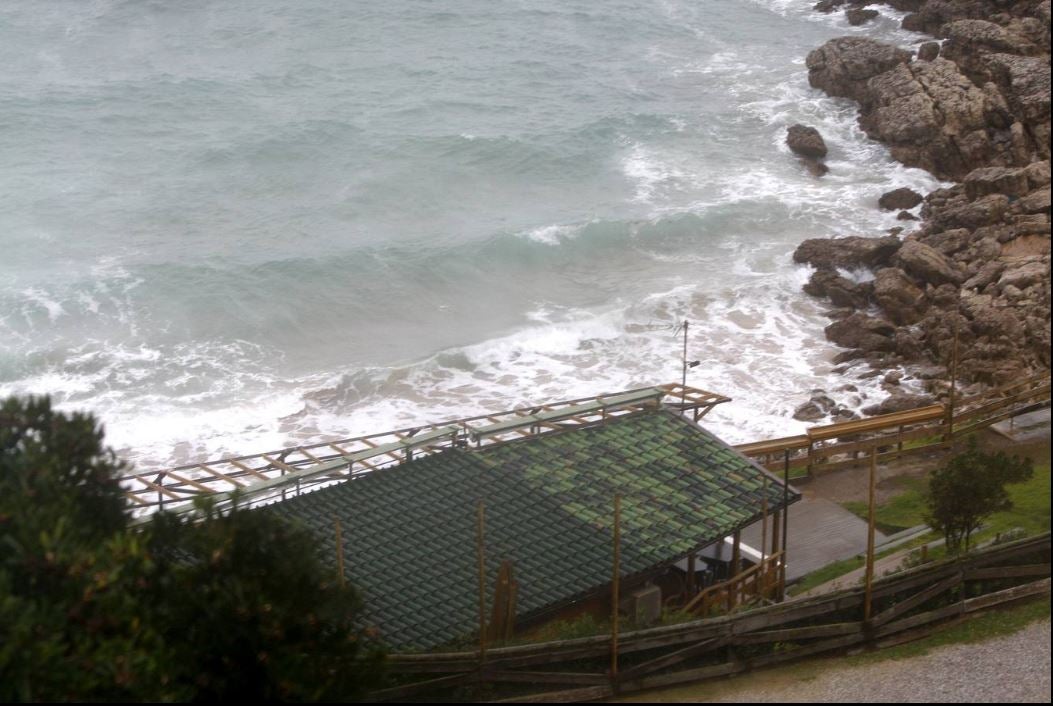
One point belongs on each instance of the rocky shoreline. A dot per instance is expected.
(973, 108)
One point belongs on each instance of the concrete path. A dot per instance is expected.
(820, 532)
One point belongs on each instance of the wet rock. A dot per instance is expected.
(806, 141)
(841, 291)
(899, 402)
(862, 331)
(927, 264)
(995, 180)
(843, 66)
(894, 377)
(928, 51)
(849, 253)
(901, 198)
(857, 15)
(818, 407)
(906, 216)
(899, 297)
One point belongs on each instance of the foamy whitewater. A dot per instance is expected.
(229, 227)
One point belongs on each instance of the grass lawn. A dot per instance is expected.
(904, 510)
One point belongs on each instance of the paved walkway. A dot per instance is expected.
(820, 532)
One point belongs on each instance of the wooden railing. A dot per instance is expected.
(832, 447)
(905, 606)
(760, 582)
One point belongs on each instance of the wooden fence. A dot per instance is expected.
(832, 447)
(905, 606)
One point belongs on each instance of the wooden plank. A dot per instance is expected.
(1007, 572)
(919, 619)
(916, 600)
(422, 687)
(592, 693)
(792, 634)
(836, 643)
(1010, 594)
(672, 658)
(687, 675)
(516, 676)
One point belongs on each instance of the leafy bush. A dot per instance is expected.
(236, 605)
(970, 488)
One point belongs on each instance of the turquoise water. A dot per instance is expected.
(230, 226)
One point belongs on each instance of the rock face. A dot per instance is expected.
(975, 110)
(858, 15)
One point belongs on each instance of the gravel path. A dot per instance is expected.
(1014, 668)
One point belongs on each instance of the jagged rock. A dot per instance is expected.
(928, 51)
(847, 356)
(1026, 246)
(900, 198)
(995, 180)
(987, 274)
(906, 216)
(931, 116)
(857, 15)
(1025, 82)
(828, 6)
(806, 141)
(1036, 202)
(861, 331)
(843, 66)
(969, 41)
(1025, 274)
(1037, 174)
(848, 253)
(841, 290)
(818, 407)
(899, 402)
(899, 296)
(962, 213)
(930, 16)
(894, 377)
(927, 264)
(948, 242)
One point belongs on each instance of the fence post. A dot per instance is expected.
(617, 558)
(868, 594)
(480, 551)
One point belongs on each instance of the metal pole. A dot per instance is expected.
(480, 527)
(339, 553)
(615, 585)
(867, 596)
(683, 381)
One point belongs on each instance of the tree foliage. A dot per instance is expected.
(234, 605)
(970, 488)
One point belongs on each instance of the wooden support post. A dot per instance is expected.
(480, 551)
(736, 565)
(785, 522)
(339, 553)
(869, 590)
(764, 525)
(615, 578)
(775, 527)
(691, 575)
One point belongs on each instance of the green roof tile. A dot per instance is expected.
(409, 531)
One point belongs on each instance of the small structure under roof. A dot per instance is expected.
(409, 530)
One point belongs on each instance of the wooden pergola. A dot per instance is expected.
(279, 474)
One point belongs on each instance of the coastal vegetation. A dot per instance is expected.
(234, 605)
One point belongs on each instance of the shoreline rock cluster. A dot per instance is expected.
(973, 109)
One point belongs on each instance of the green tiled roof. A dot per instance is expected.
(409, 531)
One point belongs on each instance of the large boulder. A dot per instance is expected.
(843, 66)
(899, 401)
(1025, 274)
(900, 198)
(927, 264)
(806, 141)
(861, 331)
(841, 291)
(852, 252)
(858, 15)
(995, 180)
(931, 116)
(960, 212)
(899, 296)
